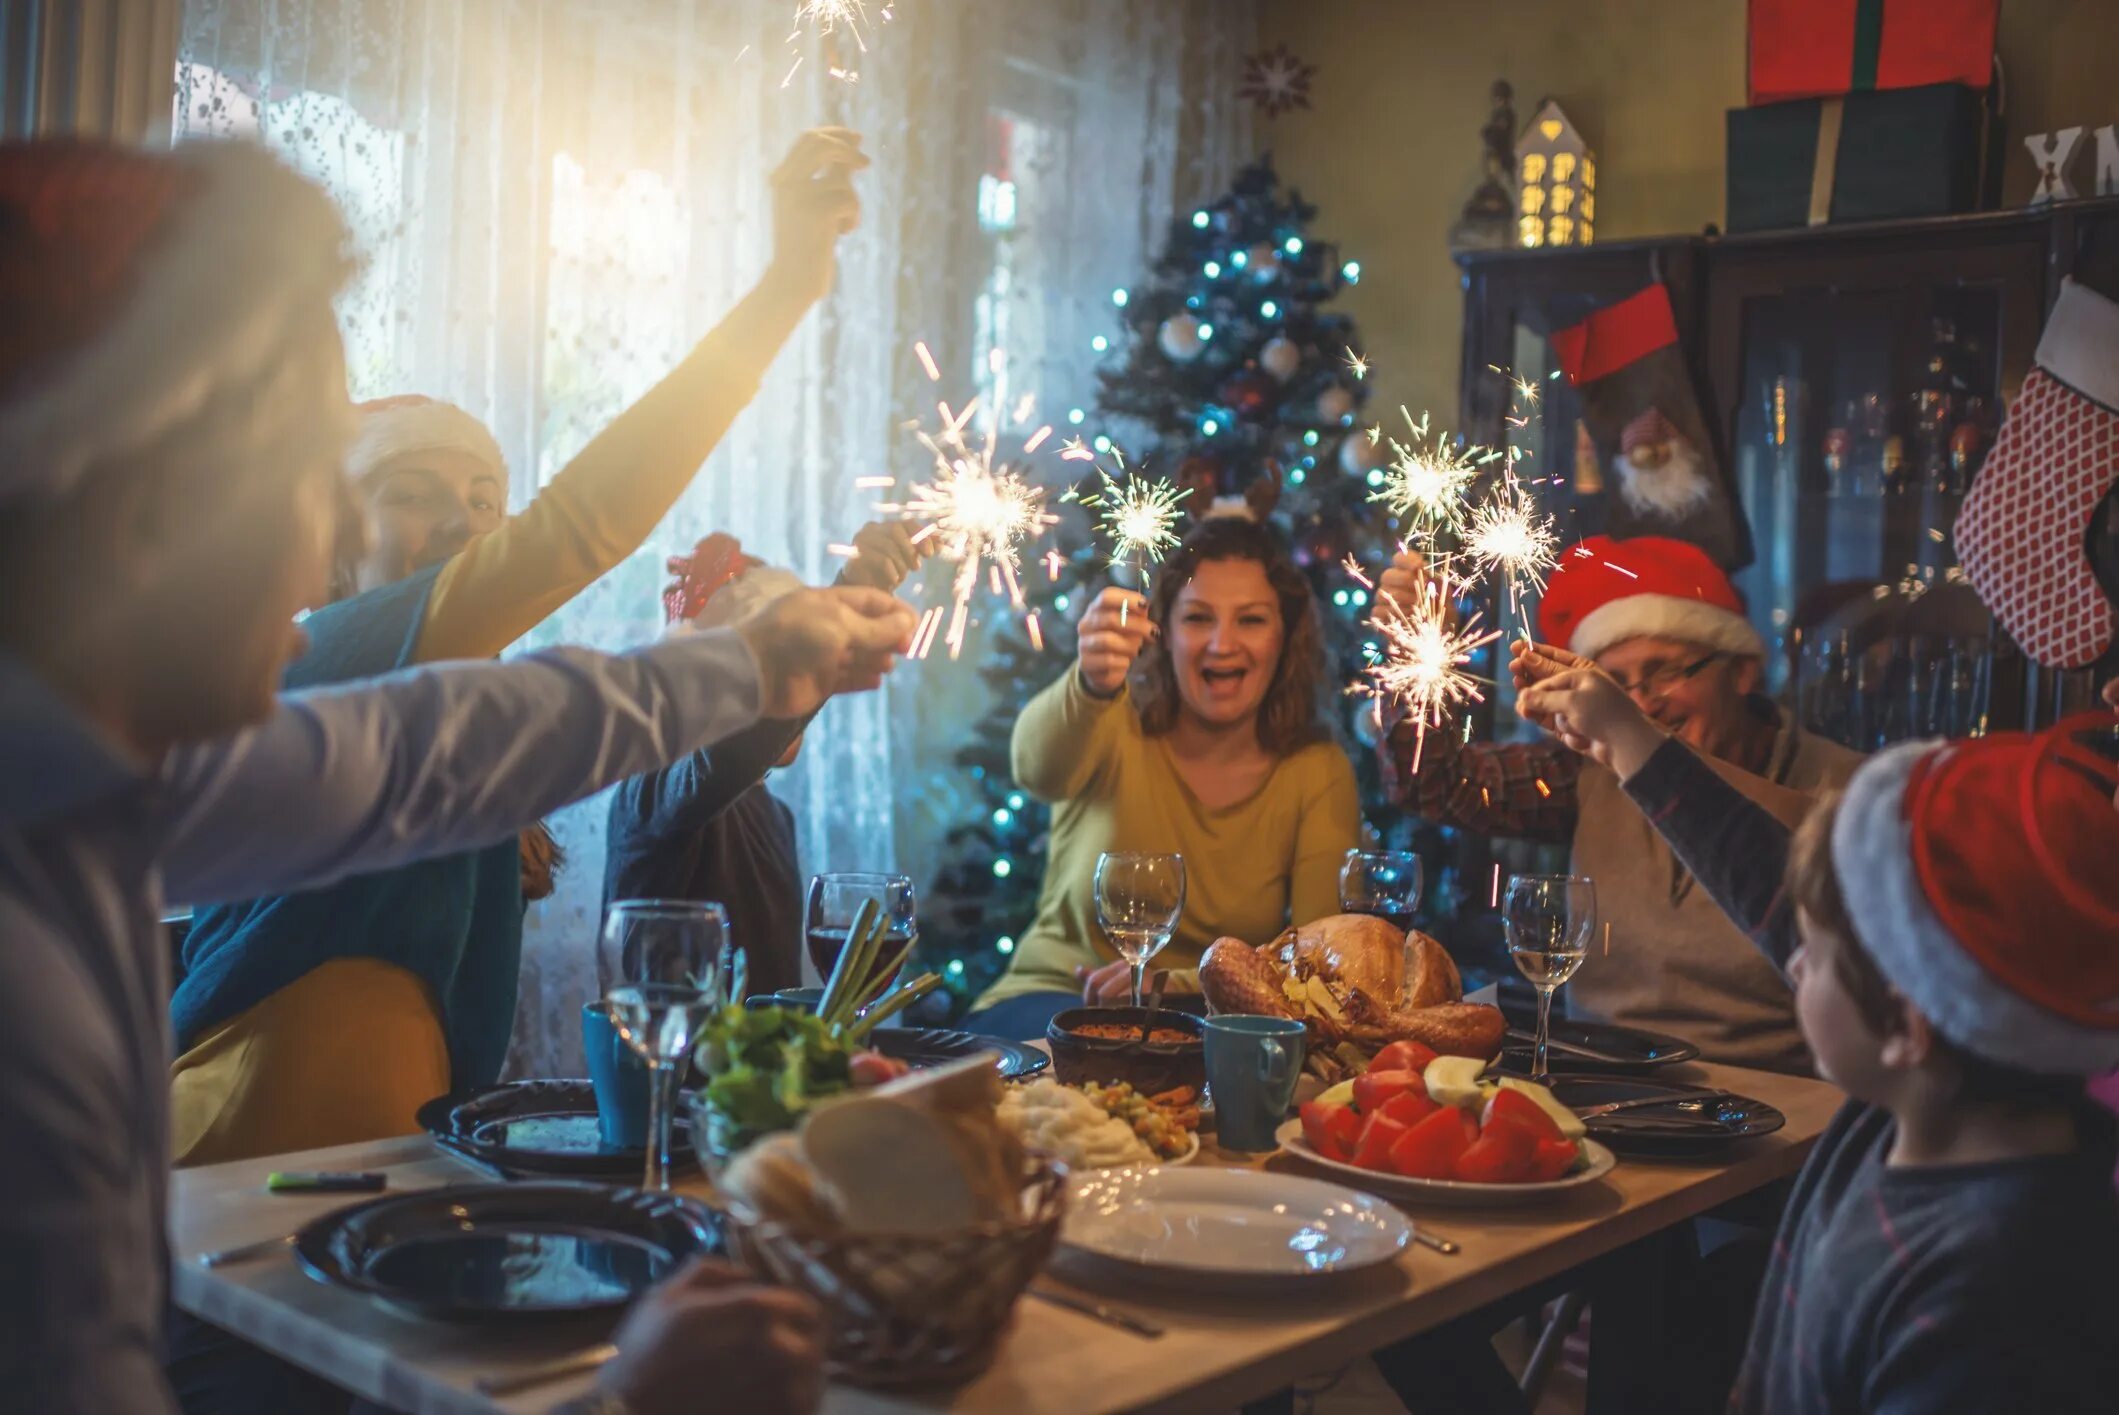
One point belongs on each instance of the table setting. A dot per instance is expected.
(953, 1202)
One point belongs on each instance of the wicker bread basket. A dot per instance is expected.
(907, 1309)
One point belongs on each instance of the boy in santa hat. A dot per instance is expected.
(1664, 622)
(1952, 931)
(300, 1020)
(705, 827)
(172, 409)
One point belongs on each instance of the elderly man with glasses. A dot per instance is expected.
(1664, 621)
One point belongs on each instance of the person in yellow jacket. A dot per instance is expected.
(330, 1017)
(1191, 722)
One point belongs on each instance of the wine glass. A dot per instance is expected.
(828, 917)
(1549, 919)
(1387, 884)
(662, 963)
(1139, 899)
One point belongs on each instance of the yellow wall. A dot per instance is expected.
(1391, 149)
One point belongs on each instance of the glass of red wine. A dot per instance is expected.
(1387, 884)
(834, 899)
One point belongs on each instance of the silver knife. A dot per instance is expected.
(1109, 1316)
(1667, 1098)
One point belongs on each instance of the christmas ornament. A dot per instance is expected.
(1250, 392)
(1280, 357)
(1274, 81)
(1359, 456)
(1179, 337)
(1335, 404)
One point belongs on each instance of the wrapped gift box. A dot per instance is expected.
(1867, 157)
(1818, 48)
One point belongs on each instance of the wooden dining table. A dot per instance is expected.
(1219, 1348)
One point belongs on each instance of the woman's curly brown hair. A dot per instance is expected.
(1292, 715)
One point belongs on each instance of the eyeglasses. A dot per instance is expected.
(1662, 680)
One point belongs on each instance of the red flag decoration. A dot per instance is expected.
(1819, 48)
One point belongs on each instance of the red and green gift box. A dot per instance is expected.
(1822, 48)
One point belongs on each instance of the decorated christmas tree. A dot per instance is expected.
(1231, 378)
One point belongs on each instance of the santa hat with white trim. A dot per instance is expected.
(148, 298)
(2023, 533)
(1979, 879)
(1607, 591)
(410, 423)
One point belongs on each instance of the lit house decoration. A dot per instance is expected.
(1557, 180)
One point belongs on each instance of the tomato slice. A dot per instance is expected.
(1429, 1150)
(1403, 1056)
(1378, 1133)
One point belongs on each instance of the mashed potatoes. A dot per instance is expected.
(1070, 1127)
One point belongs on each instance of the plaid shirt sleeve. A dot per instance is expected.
(1523, 789)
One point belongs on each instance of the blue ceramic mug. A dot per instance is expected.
(620, 1079)
(1252, 1067)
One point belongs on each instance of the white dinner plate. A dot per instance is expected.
(1457, 1193)
(1229, 1223)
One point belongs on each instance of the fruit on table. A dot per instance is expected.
(1454, 1080)
(1430, 1149)
(1571, 1126)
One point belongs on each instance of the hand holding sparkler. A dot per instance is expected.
(1113, 631)
(885, 555)
(813, 644)
(814, 204)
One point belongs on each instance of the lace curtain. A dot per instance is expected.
(554, 198)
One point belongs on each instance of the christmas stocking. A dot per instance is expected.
(2023, 534)
(1644, 419)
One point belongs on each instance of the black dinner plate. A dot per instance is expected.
(542, 1128)
(936, 1046)
(1664, 1131)
(1612, 1050)
(506, 1252)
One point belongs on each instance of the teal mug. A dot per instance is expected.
(1252, 1066)
(620, 1079)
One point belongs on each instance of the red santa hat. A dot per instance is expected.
(1607, 591)
(149, 296)
(2023, 533)
(411, 422)
(1978, 876)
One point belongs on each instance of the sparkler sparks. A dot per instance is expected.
(1139, 515)
(1508, 536)
(1425, 484)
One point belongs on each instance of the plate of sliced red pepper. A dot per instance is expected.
(1415, 1126)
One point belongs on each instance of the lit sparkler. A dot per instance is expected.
(1509, 536)
(1425, 484)
(1139, 515)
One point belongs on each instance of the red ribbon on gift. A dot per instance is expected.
(1821, 48)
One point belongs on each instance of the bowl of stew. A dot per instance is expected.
(1108, 1045)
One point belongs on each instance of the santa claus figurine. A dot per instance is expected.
(1659, 471)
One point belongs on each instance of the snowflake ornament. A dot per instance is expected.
(1276, 81)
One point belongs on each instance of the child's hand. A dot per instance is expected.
(1587, 710)
(885, 553)
(1114, 630)
(813, 205)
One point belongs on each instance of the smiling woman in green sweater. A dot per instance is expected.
(1190, 723)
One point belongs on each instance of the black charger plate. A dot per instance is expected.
(1614, 1050)
(542, 1128)
(507, 1252)
(1664, 1131)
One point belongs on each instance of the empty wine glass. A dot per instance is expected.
(1139, 899)
(1549, 919)
(828, 918)
(662, 963)
(1387, 884)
